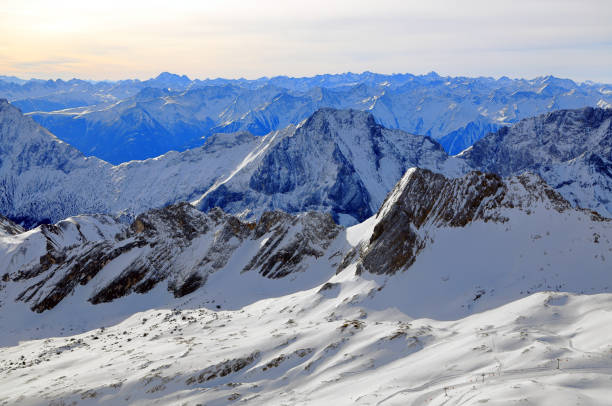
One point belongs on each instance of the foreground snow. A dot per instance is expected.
(326, 347)
(431, 301)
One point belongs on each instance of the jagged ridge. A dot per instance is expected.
(424, 200)
(178, 243)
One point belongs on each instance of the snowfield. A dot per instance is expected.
(326, 347)
(512, 307)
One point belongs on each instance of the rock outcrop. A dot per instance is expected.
(177, 244)
(424, 201)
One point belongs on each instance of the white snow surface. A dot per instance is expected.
(326, 348)
(492, 313)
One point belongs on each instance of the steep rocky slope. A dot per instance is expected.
(177, 244)
(570, 149)
(424, 200)
(337, 160)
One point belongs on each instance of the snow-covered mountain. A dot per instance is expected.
(570, 149)
(340, 162)
(220, 274)
(337, 161)
(296, 309)
(143, 119)
(424, 215)
(45, 179)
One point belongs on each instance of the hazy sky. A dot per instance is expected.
(228, 38)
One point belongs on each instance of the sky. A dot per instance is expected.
(253, 38)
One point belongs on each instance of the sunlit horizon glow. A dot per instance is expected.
(251, 39)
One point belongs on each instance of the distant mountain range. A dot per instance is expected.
(132, 119)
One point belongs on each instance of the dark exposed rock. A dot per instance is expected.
(328, 286)
(178, 244)
(9, 227)
(193, 282)
(119, 286)
(80, 270)
(280, 256)
(431, 198)
(223, 369)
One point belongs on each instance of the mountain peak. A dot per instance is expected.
(171, 76)
(6, 106)
(345, 117)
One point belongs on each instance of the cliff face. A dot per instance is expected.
(570, 149)
(337, 161)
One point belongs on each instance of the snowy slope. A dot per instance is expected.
(288, 351)
(458, 323)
